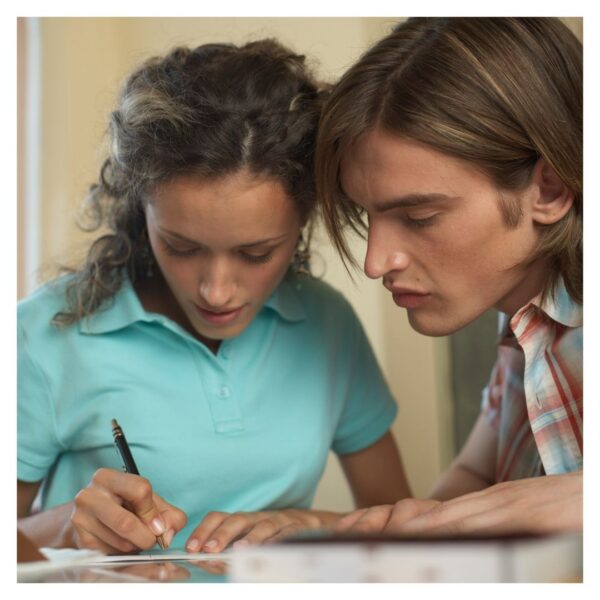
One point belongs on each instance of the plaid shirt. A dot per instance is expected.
(535, 395)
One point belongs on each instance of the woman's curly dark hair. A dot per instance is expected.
(208, 111)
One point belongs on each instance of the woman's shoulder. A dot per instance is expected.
(36, 311)
(47, 297)
(320, 298)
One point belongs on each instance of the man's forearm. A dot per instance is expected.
(457, 481)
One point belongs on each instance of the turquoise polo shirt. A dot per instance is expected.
(247, 429)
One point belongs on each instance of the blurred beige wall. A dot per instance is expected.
(82, 62)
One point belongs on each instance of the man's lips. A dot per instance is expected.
(407, 298)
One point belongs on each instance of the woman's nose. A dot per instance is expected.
(217, 286)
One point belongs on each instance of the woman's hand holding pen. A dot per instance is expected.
(219, 529)
(119, 513)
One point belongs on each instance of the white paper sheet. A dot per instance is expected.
(161, 555)
(58, 559)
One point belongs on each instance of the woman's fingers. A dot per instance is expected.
(174, 518)
(137, 492)
(219, 530)
(93, 507)
(97, 536)
(264, 530)
(121, 510)
(204, 533)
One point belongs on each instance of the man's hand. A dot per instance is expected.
(548, 504)
(377, 518)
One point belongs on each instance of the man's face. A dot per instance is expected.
(437, 235)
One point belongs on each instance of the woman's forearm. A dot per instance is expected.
(50, 528)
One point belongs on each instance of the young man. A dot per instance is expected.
(458, 144)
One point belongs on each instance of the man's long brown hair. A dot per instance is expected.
(500, 93)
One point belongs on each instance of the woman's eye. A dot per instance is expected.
(177, 252)
(257, 258)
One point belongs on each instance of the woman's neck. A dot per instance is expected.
(156, 296)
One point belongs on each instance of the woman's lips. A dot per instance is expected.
(218, 318)
(408, 300)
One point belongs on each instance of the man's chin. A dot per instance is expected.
(433, 327)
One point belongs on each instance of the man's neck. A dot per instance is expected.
(529, 286)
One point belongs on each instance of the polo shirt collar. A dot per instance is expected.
(285, 300)
(126, 308)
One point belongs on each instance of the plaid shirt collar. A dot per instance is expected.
(560, 307)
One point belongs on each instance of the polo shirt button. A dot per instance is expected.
(224, 392)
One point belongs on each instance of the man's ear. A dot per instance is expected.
(552, 198)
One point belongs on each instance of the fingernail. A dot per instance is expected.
(168, 537)
(241, 544)
(193, 545)
(157, 526)
(210, 545)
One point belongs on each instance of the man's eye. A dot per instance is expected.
(419, 223)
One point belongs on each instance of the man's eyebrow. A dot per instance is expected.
(410, 200)
(187, 240)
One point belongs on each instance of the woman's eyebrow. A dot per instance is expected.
(187, 240)
(178, 236)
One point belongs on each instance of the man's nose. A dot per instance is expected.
(384, 253)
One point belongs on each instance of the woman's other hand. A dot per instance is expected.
(220, 529)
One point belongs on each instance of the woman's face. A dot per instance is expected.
(223, 246)
(437, 235)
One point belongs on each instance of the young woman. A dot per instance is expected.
(460, 141)
(193, 324)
